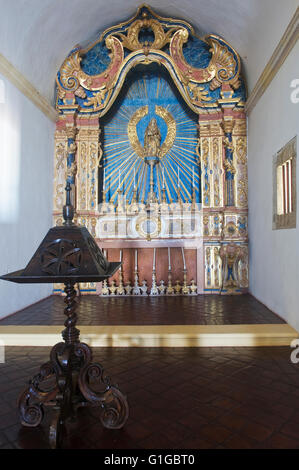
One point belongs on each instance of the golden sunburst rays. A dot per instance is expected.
(180, 163)
(122, 164)
(138, 90)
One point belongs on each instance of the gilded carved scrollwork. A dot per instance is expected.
(225, 64)
(131, 40)
(198, 94)
(225, 226)
(132, 130)
(242, 192)
(240, 146)
(208, 268)
(82, 180)
(229, 167)
(98, 99)
(206, 229)
(232, 255)
(216, 169)
(241, 150)
(60, 164)
(213, 268)
(223, 68)
(217, 275)
(171, 130)
(89, 158)
(72, 75)
(205, 150)
(60, 156)
(95, 156)
(69, 71)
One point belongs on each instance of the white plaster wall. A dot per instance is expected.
(26, 175)
(274, 254)
(265, 34)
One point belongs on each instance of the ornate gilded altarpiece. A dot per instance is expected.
(152, 136)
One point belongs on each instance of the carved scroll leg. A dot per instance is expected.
(31, 413)
(42, 390)
(64, 408)
(98, 391)
(115, 409)
(62, 411)
(56, 429)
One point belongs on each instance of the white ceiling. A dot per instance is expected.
(36, 35)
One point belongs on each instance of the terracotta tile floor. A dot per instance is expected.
(197, 310)
(180, 398)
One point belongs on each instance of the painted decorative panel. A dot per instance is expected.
(212, 268)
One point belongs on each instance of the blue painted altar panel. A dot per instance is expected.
(151, 87)
(96, 60)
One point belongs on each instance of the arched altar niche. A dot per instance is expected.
(194, 197)
(149, 96)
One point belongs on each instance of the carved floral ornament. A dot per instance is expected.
(166, 48)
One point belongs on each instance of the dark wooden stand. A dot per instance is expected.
(71, 380)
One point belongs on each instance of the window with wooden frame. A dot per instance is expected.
(284, 186)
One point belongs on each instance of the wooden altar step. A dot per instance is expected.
(154, 335)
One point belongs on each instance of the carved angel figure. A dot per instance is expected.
(231, 254)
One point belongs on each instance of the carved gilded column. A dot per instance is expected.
(83, 159)
(204, 139)
(89, 155)
(240, 162)
(71, 171)
(94, 161)
(211, 151)
(229, 163)
(213, 191)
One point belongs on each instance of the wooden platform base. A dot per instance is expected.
(155, 335)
